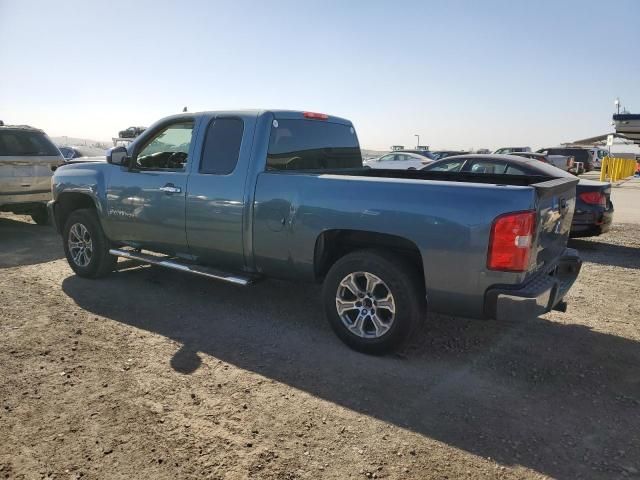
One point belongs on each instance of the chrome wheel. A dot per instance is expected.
(365, 305)
(80, 245)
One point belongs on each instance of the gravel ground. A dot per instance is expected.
(154, 374)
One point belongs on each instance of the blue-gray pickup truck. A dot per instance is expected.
(243, 195)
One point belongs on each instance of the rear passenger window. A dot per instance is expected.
(222, 146)
(24, 143)
(488, 166)
(511, 170)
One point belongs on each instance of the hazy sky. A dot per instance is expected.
(459, 73)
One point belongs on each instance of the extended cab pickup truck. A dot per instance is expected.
(242, 195)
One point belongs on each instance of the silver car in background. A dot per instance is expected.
(399, 161)
(27, 157)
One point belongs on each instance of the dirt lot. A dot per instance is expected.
(154, 374)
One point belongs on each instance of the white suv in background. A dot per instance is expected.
(27, 157)
(508, 150)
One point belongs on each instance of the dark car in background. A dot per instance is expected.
(131, 132)
(563, 162)
(73, 152)
(593, 212)
(590, 157)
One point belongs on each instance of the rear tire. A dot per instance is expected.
(86, 246)
(374, 320)
(40, 215)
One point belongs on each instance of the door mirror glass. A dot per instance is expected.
(118, 156)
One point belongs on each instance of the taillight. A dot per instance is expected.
(510, 241)
(594, 198)
(315, 116)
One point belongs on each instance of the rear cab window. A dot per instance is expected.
(25, 143)
(303, 144)
(222, 146)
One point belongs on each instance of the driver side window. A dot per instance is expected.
(167, 150)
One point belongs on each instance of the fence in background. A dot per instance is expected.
(615, 169)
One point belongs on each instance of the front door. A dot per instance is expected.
(146, 201)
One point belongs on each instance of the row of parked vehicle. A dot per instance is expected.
(594, 209)
(573, 159)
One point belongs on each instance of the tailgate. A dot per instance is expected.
(23, 175)
(556, 201)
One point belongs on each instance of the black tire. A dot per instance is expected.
(40, 215)
(401, 279)
(100, 263)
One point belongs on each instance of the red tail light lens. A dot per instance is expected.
(594, 198)
(510, 241)
(315, 116)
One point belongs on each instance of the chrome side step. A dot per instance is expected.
(167, 262)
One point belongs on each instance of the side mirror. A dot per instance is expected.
(118, 156)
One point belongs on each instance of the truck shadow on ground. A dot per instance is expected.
(597, 251)
(559, 399)
(24, 243)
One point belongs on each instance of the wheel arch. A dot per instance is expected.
(333, 244)
(68, 202)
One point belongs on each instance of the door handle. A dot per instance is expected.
(170, 188)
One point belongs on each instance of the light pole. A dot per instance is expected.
(416, 135)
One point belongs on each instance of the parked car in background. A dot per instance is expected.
(399, 161)
(508, 150)
(593, 211)
(590, 157)
(423, 153)
(562, 162)
(131, 132)
(440, 154)
(240, 196)
(72, 152)
(27, 157)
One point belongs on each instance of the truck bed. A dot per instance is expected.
(466, 177)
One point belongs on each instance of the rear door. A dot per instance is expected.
(216, 199)
(415, 161)
(386, 161)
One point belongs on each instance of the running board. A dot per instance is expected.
(175, 265)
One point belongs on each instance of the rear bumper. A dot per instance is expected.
(538, 295)
(591, 223)
(40, 196)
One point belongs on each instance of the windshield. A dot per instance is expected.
(312, 145)
(23, 143)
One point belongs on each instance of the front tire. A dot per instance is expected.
(85, 245)
(373, 300)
